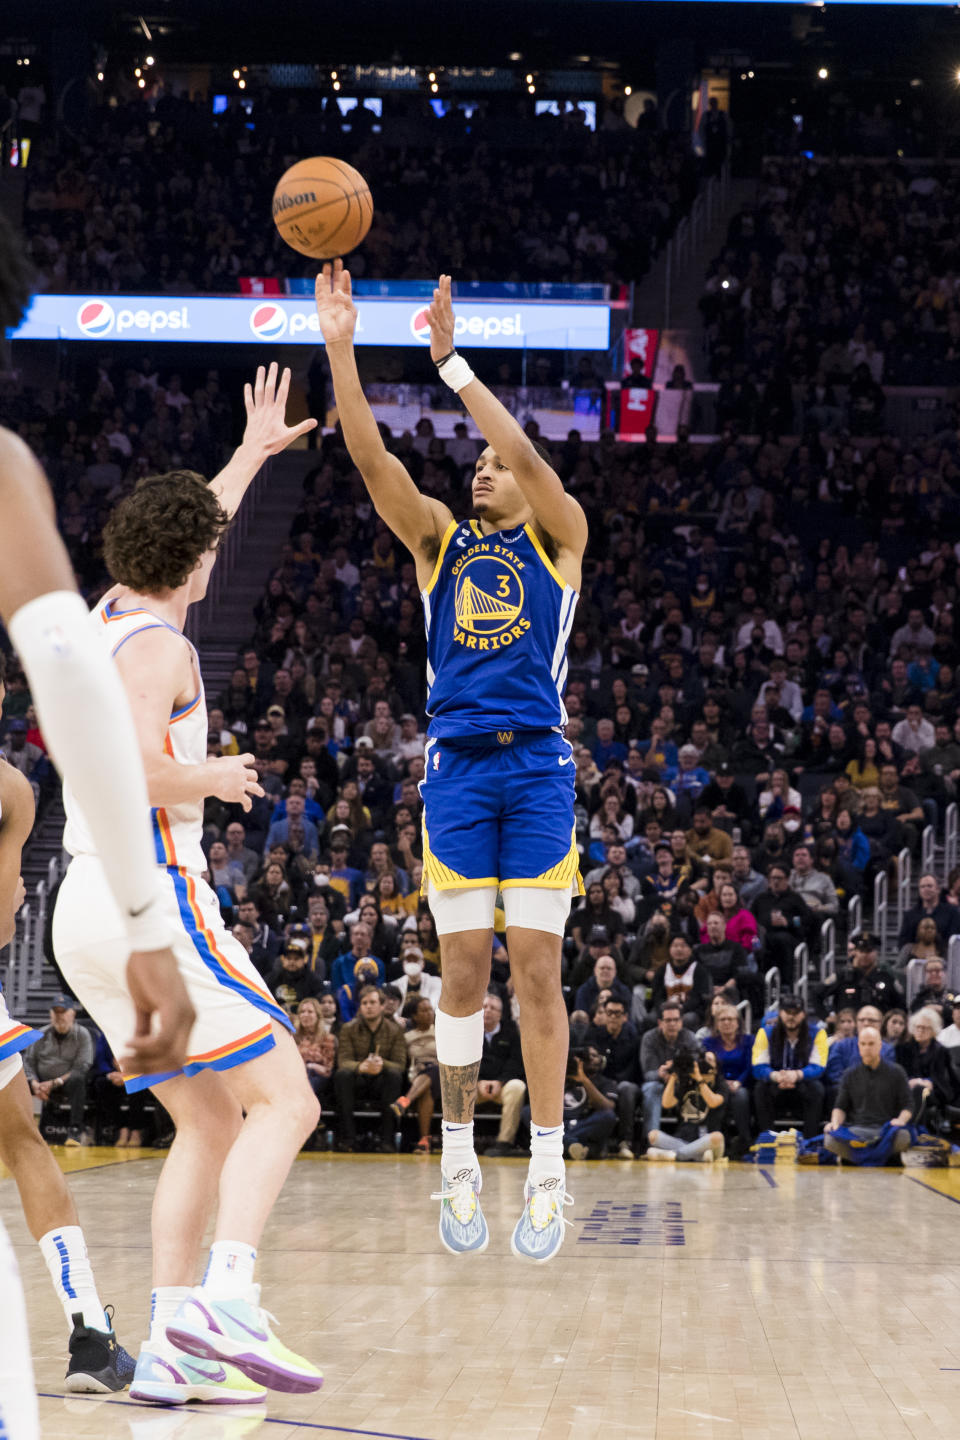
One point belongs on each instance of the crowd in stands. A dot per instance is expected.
(765, 709)
(162, 195)
(839, 279)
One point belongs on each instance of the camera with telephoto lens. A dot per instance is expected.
(684, 1064)
(577, 1055)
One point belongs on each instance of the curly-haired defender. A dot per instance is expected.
(157, 536)
(17, 276)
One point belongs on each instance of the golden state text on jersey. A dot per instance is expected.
(498, 617)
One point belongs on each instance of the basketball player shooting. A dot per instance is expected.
(499, 595)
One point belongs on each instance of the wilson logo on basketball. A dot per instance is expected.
(283, 201)
(420, 325)
(268, 322)
(95, 317)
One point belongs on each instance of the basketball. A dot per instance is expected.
(322, 207)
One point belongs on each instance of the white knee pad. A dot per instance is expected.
(534, 907)
(9, 1070)
(464, 909)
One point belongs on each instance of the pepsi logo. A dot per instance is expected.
(268, 322)
(420, 326)
(95, 317)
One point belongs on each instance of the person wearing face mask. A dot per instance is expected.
(415, 980)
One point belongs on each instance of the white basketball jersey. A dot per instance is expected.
(177, 829)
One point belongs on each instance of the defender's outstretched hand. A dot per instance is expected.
(335, 307)
(441, 318)
(266, 405)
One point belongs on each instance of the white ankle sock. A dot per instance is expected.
(65, 1252)
(230, 1268)
(458, 1152)
(165, 1301)
(546, 1152)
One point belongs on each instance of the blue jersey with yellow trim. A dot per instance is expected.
(498, 616)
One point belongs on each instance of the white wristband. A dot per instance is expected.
(455, 372)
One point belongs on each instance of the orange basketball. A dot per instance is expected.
(322, 207)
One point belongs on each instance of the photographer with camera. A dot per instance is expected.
(589, 1105)
(658, 1049)
(695, 1092)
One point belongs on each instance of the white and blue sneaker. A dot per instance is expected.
(168, 1377)
(463, 1229)
(539, 1232)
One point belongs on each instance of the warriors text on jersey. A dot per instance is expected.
(498, 617)
(177, 829)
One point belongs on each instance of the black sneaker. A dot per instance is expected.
(98, 1364)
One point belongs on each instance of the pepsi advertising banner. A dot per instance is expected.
(236, 320)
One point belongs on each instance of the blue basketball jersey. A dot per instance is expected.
(498, 617)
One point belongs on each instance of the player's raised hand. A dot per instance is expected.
(335, 307)
(441, 320)
(266, 405)
(233, 779)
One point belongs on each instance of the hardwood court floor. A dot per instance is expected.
(723, 1304)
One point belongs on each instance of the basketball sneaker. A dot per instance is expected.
(463, 1228)
(98, 1364)
(168, 1377)
(539, 1232)
(237, 1330)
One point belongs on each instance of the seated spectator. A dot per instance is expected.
(595, 910)
(924, 946)
(238, 854)
(423, 1072)
(739, 924)
(589, 1108)
(945, 916)
(58, 1064)
(415, 980)
(685, 980)
(371, 1065)
(732, 1048)
(694, 1090)
(709, 901)
(267, 944)
(843, 1052)
(293, 979)
(604, 977)
(894, 1027)
(786, 921)
(789, 1058)
(815, 889)
(865, 981)
(280, 830)
(617, 899)
(873, 1093)
(732, 970)
(853, 851)
(749, 882)
(618, 1042)
(366, 971)
(777, 798)
(705, 841)
(928, 1068)
(949, 1037)
(112, 1100)
(501, 1080)
(658, 1050)
(273, 895)
(844, 1025)
(934, 991)
(318, 1049)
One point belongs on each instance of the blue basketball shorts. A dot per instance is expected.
(500, 814)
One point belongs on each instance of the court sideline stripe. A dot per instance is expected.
(267, 1419)
(933, 1189)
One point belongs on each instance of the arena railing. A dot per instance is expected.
(771, 988)
(953, 963)
(904, 882)
(828, 948)
(854, 916)
(928, 849)
(745, 1011)
(950, 840)
(881, 910)
(801, 972)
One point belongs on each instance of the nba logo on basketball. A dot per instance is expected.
(420, 326)
(268, 322)
(95, 317)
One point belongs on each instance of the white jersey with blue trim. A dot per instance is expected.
(177, 829)
(498, 616)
